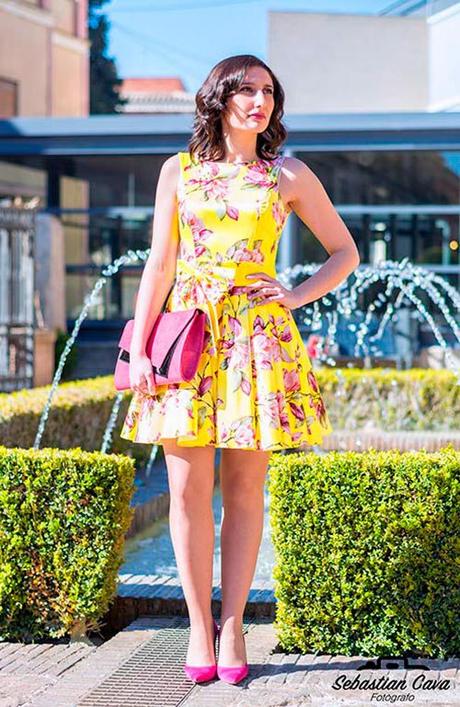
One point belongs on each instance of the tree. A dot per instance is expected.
(104, 97)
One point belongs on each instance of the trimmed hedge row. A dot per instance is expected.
(63, 519)
(413, 399)
(355, 398)
(78, 416)
(367, 549)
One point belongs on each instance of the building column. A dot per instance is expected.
(81, 19)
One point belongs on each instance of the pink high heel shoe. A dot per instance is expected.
(234, 674)
(202, 673)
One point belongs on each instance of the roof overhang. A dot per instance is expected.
(166, 134)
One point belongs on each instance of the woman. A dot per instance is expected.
(220, 210)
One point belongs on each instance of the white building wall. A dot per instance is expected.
(332, 63)
(444, 64)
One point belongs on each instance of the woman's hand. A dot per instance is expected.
(141, 377)
(268, 289)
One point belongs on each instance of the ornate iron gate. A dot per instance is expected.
(17, 229)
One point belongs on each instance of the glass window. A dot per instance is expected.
(408, 187)
(125, 180)
(8, 98)
(380, 177)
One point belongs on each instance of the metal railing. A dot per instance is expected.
(17, 231)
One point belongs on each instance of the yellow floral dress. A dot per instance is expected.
(254, 387)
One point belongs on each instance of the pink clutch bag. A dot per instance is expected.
(174, 347)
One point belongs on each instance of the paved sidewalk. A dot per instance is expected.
(142, 665)
(28, 669)
(295, 679)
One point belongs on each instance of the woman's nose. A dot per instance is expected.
(259, 103)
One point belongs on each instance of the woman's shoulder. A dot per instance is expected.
(171, 166)
(170, 172)
(178, 161)
(297, 170)
(296, 177)
(172, 162)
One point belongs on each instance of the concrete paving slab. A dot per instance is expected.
(145, 660)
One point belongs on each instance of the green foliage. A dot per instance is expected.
(388, 399)
(104, 80)
(63, 518)
(78, 416)
(367, 552)
(417, 399)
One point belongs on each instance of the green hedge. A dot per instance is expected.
(367, 550)
(78, 416)
(63, 519)
(404, 400)
(413, 399)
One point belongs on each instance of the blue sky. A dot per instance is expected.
(186, 38)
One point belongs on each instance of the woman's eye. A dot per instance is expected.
(244, 88)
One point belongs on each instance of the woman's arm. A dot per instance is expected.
(160, 266)
(303, 192)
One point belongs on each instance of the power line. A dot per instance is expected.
(183, 6)
(150, 42)
(148, 38)
(403, 6)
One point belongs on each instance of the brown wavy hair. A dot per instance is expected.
(226, 77)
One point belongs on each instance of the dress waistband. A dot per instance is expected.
(236, 272)
(209, 282)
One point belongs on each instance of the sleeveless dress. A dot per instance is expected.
(254, 387)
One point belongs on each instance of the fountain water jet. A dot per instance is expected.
(401, 276)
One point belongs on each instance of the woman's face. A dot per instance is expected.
(251, 105)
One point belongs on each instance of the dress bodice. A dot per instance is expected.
(230, 213)
(230, 220)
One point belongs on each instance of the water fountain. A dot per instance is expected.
(152, 547)
(401, 278)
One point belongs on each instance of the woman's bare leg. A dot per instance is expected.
(191, 520)
(242, 478)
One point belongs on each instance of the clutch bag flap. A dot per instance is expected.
(168, 327)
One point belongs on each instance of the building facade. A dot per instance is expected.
(394, 179)
(362, 111)
(343, 63)
(44, 58)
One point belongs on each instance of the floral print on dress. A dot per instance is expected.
(254, 387)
